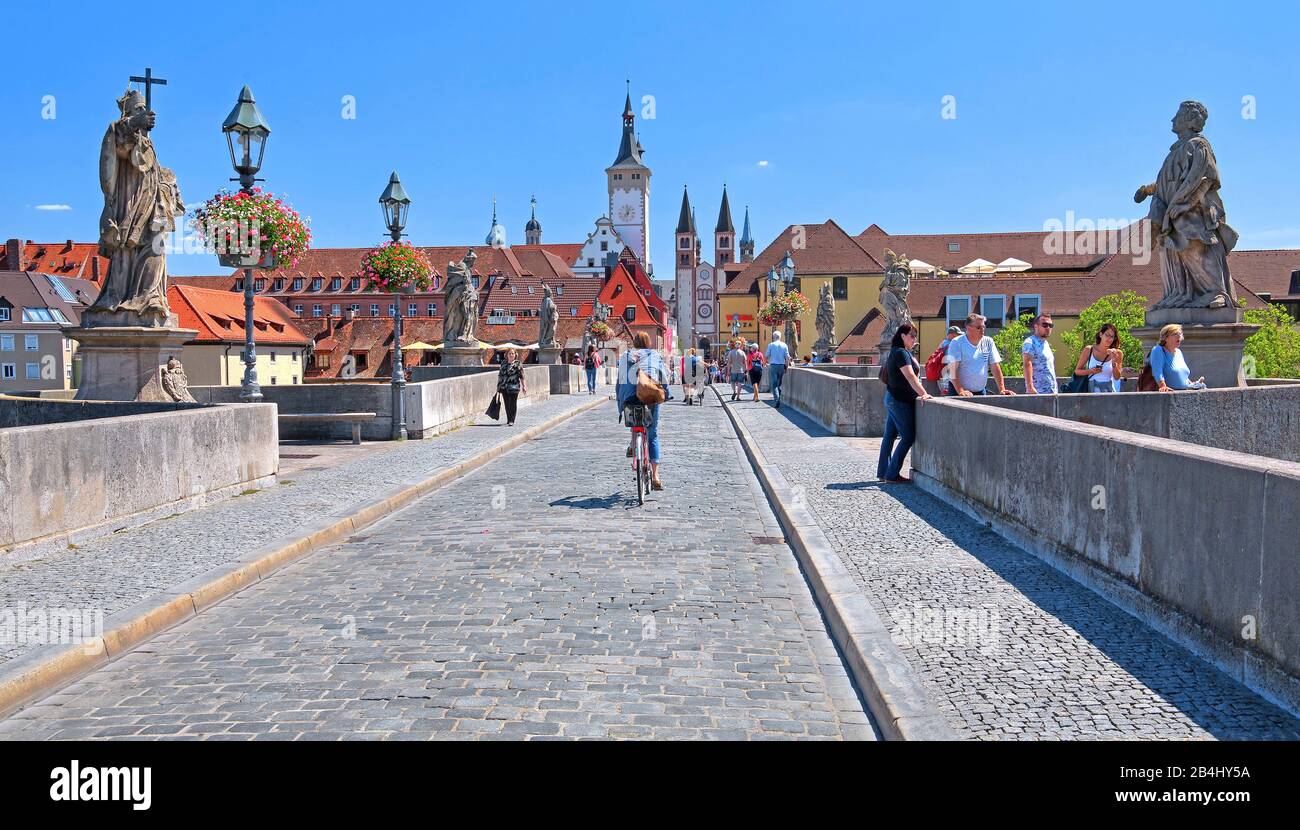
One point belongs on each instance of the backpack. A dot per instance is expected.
(591, 361)
(758, 361)
(934, 364)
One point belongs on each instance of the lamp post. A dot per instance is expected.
(395, 205)
(246, 133)
(787, 280)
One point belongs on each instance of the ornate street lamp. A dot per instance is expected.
(787, 279)
(396, 205)
(246, 133)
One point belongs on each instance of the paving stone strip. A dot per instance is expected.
(1007, 646)
(531, 598)
(117, 571)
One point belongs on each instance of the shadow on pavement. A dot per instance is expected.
(597, 502)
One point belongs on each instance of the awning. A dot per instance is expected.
(919, 266)
(421, 346)
(978, 266)
(438, 347)
(1013, 264)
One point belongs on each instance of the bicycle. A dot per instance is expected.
(638, 416)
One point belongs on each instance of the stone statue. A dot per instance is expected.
(1186, 222)
(825, 321)
(893, 294)
(550, 315)
(460, 322)
(141, 202)
(174, 383)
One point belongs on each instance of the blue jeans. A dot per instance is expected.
(900, 426)
(591, 379)
(952, 390)
(777, 371)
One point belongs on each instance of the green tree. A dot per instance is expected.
(1126, 310)
(1275, 348)
(1009, 340)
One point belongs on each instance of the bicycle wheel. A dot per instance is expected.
(637, 465)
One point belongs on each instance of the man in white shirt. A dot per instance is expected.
(778, 355)
(971, 357)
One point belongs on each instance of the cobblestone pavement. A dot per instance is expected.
(1026, 652)
(116, 571)
(531, 598)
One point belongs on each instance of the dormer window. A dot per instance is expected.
(954, 247)
(559, 290)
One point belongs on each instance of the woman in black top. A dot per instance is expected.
(903, 387)
(510, 382)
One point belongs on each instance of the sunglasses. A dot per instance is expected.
(1047, 325)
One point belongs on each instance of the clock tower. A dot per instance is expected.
(629, 189)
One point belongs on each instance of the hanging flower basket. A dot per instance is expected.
(397, 267)
(600, 330)
(783, 309)
(252, 230)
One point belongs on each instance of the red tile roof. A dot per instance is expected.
(62, 259)
(827, 250)
(218, 316)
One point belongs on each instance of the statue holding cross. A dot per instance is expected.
(141, 203)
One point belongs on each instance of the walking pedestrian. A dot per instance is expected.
(902, 389)
(778, 355)
(971, 357)
(694, 374)
(755, 368)
(1039, 362)
(591, 363)
(737, 364)
(510, 383)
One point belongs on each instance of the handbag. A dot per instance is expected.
(1147, 380)
(1077, 383)
(647, 391)
(494, 408)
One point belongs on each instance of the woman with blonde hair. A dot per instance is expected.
(1168, 367)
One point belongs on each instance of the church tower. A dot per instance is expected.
(629, 189)
(533, 230)
(724, 234)
(687, 245)
(746, 241)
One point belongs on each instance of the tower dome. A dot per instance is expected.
(497, 236)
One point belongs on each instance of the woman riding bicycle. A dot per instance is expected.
(642, 358)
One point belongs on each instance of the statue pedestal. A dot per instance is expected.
(1213, 341)
(462, 355)
(549, 355)
(124, 363)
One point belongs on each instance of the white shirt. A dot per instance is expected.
(778, 352)
(973, 361)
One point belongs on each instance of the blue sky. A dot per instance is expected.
(1059, 107)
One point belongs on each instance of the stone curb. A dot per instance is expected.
(899, 703)
(44, 670)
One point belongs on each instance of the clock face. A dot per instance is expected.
(704, 311)
(627, 213)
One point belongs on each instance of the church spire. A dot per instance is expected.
(724, 215)
(746, 241)
(533, 230)
(629, 149)
(686, 220)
